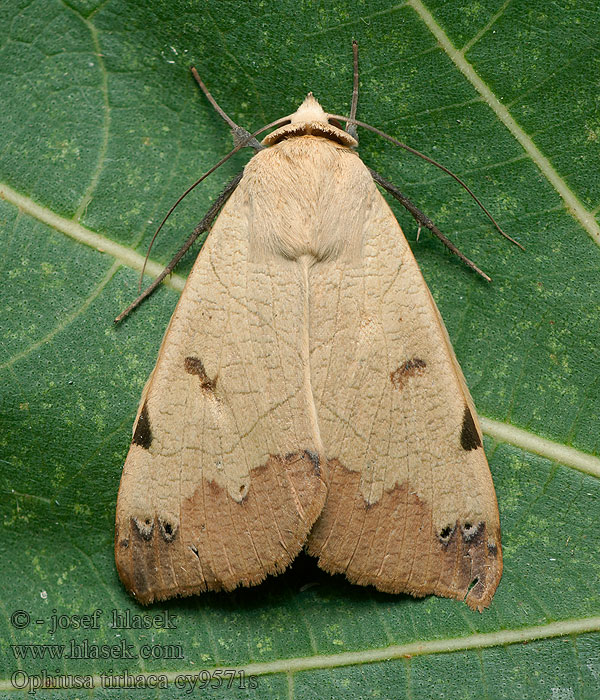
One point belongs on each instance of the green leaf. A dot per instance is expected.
(102, 127)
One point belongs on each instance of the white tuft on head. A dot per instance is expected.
(309, 111)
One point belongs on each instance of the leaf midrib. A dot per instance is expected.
(572, 202)
(396, 651)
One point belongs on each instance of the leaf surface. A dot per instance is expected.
(102, 128)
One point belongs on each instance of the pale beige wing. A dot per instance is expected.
(222, 482)
(411, 504)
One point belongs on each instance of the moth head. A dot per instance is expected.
(310, 119)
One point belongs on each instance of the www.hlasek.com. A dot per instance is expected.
(85, 649)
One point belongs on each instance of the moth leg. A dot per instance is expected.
(423, 220)
(351, 128)
(204, 225)
(240, 135)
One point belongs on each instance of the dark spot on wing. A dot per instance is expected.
(469, 437)
(143, 529)
(142, 435)
(473, 534)
(167, 531)
(446, 536)
(194, 365)
(411, 368)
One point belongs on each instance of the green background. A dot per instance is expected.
(102, 125)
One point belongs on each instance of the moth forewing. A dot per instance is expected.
(307, 376)
(227, 479)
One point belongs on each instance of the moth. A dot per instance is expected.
(306, 395)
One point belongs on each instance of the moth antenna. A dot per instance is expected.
(424, 220)
(204, 225)
(239, 133)
(351, 128)
(396, 142)
(236, 148)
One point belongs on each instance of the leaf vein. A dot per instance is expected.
(572, 202)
